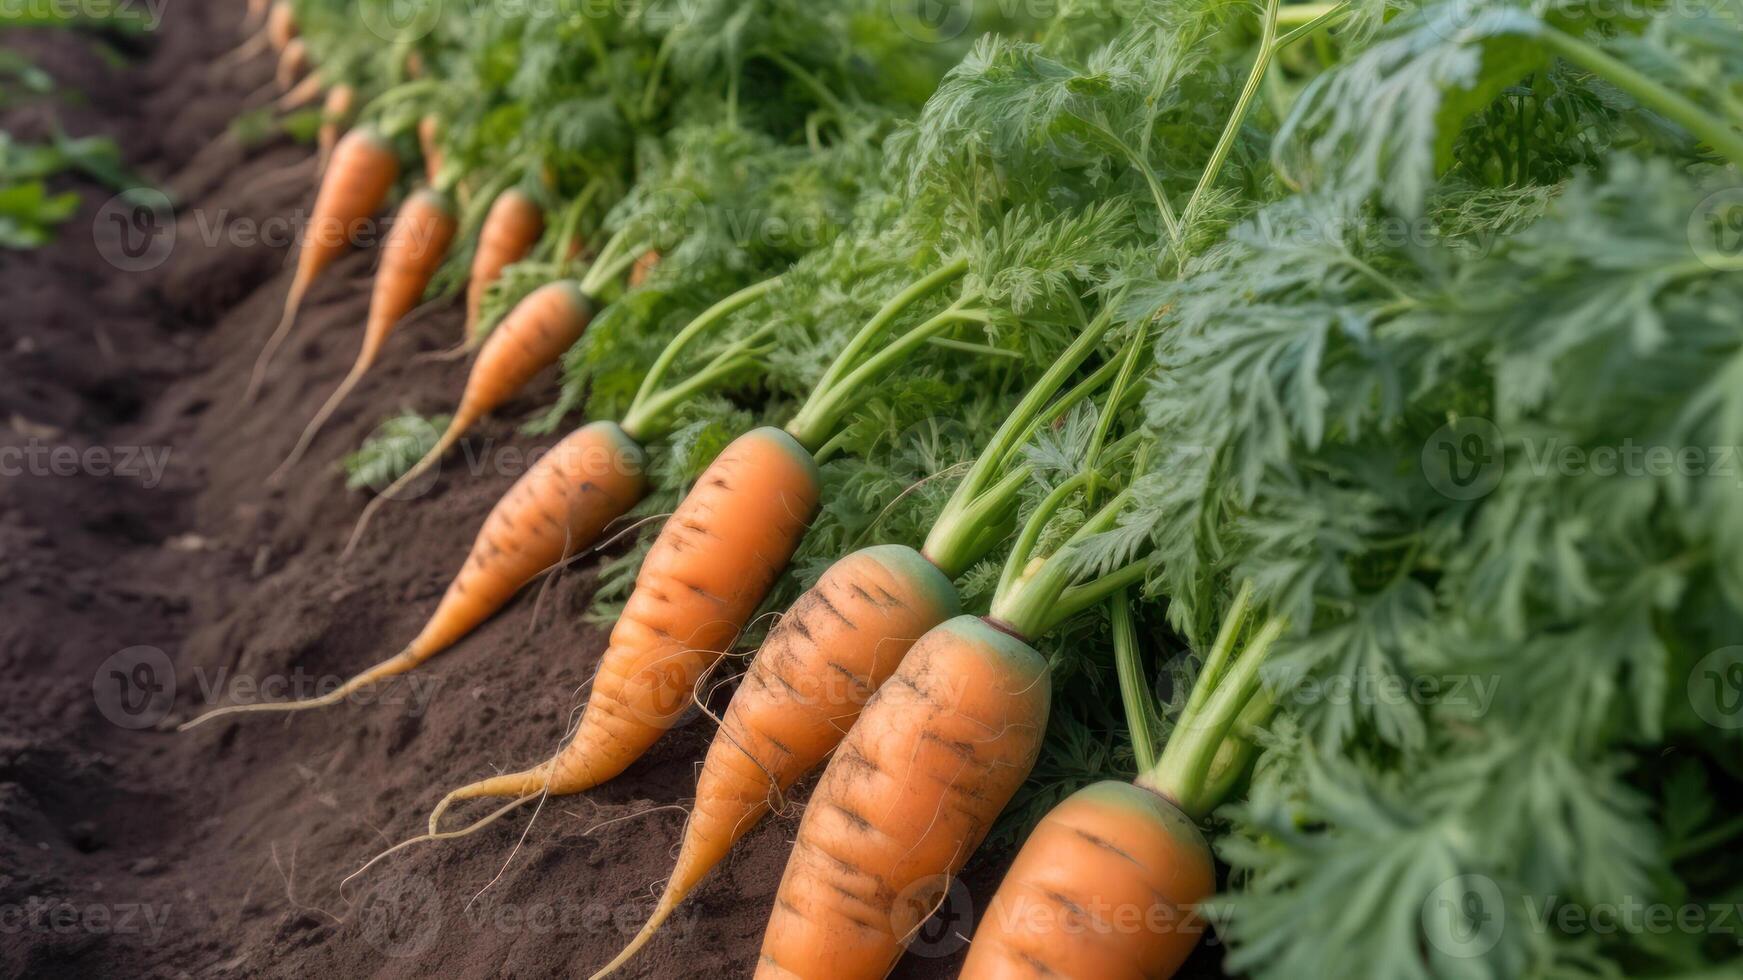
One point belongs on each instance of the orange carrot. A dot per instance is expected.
(429, 131)
(1105, 886)
(281, 25)
(530, 338)
(414, 65)
(840, 641)
(558, 507)
(293, 61)
(300, 94)
(509, 232)
(335, 116)
(363, 170)
(417, 240)
(643, 268)
(937, 753)
(707, 571)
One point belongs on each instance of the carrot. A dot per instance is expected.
(293, 62)
(416, 241)
(530, 338)
(1108, 883)
(937, 753)
(363, 170)
(707, 571)
(255, 14)
(840, 641)
(1105, 886)
(558, 507)
(335, 116)
(281, 25)
(429, 131)
(643, 268)
(301, 94)
(509, 232)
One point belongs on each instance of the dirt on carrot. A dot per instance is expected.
(155, 576)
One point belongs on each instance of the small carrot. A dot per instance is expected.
(281, 25)
(429, 133)
(840, 641)
(558, 507)
(335, 116)
(510, 230)
(936, 754)
(530, 338)
(416, 242)
(256, 13)
(301, 94)
(707, 571)
(643, 268)
(363, 170)
(293, 62)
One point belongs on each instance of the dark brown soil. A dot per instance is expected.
(134, 598)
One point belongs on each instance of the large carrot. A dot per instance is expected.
(530, 338)
(936, 754)
(1108, 883)
(416, 242)
(510, 230)
(559, 506)
(1104, 887)
(363, 170)
(709, 568)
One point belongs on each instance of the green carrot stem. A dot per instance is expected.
(1716, 132)
(881, 320)
(1077, 598)
(1221, 649)
(818, 420)
(1134, 687)
(707, 318)
(1183, 773)
(1237, 118)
